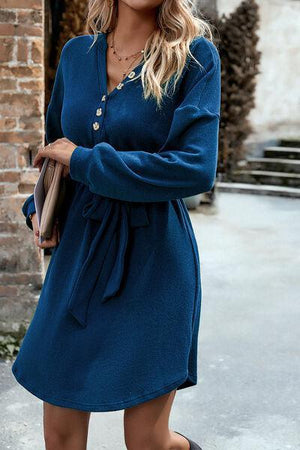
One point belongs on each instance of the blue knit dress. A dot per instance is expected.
(118, 316)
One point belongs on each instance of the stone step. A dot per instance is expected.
(258, 189)
(282, 152)
(274, 164)
(289, 142)
(267, 177)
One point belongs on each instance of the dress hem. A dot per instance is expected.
(182, 382)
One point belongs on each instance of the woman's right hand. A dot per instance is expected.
(52, 242)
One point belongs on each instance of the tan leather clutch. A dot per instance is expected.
(54, 187)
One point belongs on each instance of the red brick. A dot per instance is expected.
(10, 123)
(31, 122)
(6, 291)
(28, 30)
(30, 17)
(37, 51)
(32, 85)
(8, 84)
(21, 136)
(8, 227)
(7, 156)
(7, 123)
(7, 29)
(17, 103)
(6, 49)
(20, 72)
(24, 278)
(15, 110)
(10, 209)
(7, 16)
(31, 4)
(22, 54)
(25, 188)
(18, 98)
(23, 155)
(9, 189)
(9, 176)
(22, 161)
(29, 176)
(18, 251)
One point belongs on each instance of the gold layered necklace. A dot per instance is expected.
(126, 57)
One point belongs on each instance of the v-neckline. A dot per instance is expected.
(102, 59)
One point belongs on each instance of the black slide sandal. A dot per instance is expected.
(193, 445)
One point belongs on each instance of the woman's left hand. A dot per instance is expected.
(60, 150)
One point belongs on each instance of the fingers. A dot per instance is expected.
(38, 161)
(52, 242)
(60, 150)
(40, 165)
(43, 152)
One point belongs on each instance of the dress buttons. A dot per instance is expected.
(131, 75)
(103, 98)
(99, 112)
(120, 85)
(96, 125)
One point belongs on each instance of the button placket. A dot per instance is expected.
(97, 124)
(131, 75)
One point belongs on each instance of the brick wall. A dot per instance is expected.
(21, 132)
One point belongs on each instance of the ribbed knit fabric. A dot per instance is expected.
(118, 315)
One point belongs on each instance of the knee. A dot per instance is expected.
(59, 438)
(64, 428)
(64, 439)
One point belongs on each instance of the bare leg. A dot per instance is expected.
(146, 426)
(65, 428)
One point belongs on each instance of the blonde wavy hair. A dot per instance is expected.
(167, 48)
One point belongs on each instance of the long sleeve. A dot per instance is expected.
(184, 166)
(28, 208)
(53, 130)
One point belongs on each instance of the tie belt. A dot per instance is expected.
(115, 220)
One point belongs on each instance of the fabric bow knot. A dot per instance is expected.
(108, 245)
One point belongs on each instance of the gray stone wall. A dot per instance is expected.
(207, 6)
(277, 111)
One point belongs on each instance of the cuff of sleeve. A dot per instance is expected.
(27, 209)
(79, 161)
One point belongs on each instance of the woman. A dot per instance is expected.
(134, 117)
